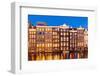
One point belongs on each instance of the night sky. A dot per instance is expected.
(72, 21)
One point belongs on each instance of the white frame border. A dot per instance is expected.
(16, 29)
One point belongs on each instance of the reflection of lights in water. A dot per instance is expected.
(56, 57)
(43, 57)
(49, 57)
(61, 56)
(64, 55)
(71, 55)
(78, 55)
(32, 57)
(37, 58)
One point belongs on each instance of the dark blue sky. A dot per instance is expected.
(72, 21)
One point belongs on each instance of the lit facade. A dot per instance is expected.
(56, 42)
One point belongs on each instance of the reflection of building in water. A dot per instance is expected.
(56, 42)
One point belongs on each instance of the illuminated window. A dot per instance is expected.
(46, 29)
(37, 29)
(61, 33)
(64, 44)
(61, 48)
(29, 32)
(48, 44)
(75, 33)
(67, 44)
(42, 37)
(64, 33)
(39, 49)
(39, 45)
(34, 32)
(70, 33)
(54, 33)
(67, 33)
(49, 29)
(67, 39)
(66, 48)
(61, 30)
(61, 38)
(64, 38)
(42, 29)
(42, 45)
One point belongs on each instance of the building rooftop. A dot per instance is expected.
(41, 24)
